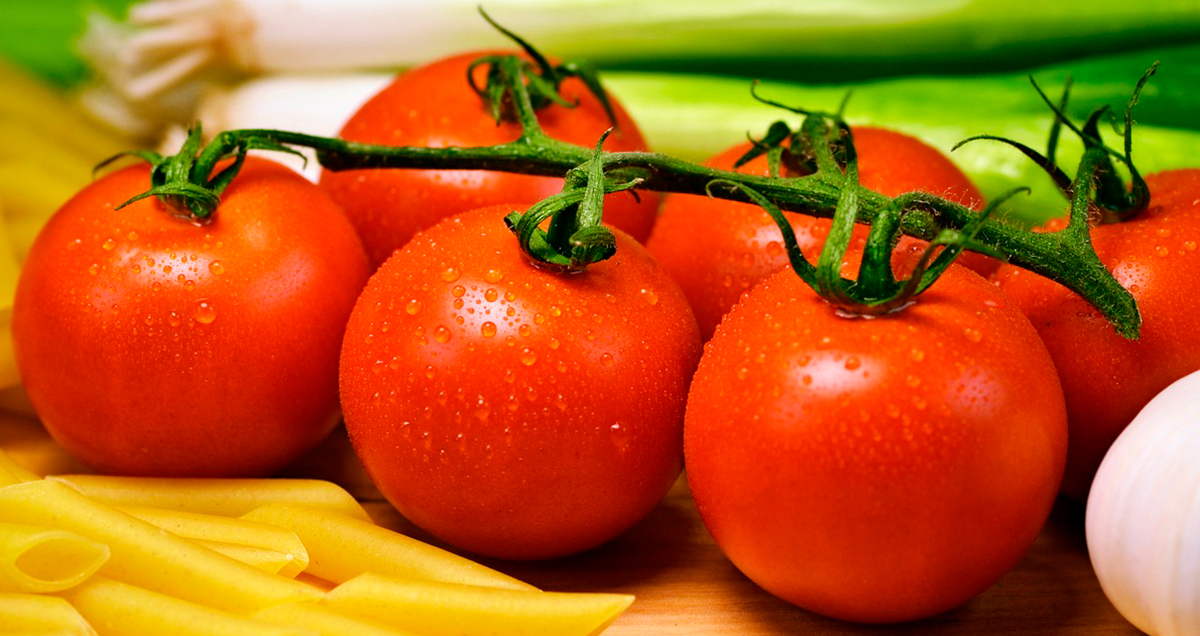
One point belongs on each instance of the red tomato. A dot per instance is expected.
(509, 410)
(1107, 379)
(150, 344)
(875, 470)
(717, 249)
(435, 106)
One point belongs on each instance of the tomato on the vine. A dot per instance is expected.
(153, 344)
(435, 106)
(511, 410)
(717, 249)
(1107, 379)
(877, 469)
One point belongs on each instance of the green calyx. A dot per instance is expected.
(575, 237)
(184, 182)
(541, 80)
(823, 147)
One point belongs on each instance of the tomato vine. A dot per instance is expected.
(1065, 256)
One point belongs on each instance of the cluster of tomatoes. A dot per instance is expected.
(874, 469)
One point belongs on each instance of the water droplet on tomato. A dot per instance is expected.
(441, 334)
(204, 312)
(528, 356)
(525, 330)
(491, 295)
(1164, 232)
(916, 355)
(413, 307)
(650, 296)
(488, 329)
(852, 363)
(493, 276)
(457, 291)
(554, 343)
(216, 268)
(606, 359)
(1189, 246)
(108, 244)
(94, 269)
(451, 274)
(972, 334)
(1161, 251)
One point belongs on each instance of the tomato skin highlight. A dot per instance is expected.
(718, 249)
(150, 345)
(875, 470)
(511, 411)
(434, 106)
(1107, 379)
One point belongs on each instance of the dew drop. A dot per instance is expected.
(413, 307)
(525, 331)
(1161, 251)
(528, 356)
(491, 295)
(441, 334)
(916, 355)
(216, 268)
(606, 359)
(173, 319)
(853, 363)
(493, 276)
(458, 291)
(972, 334)
(1189, 246)
(94, 269)
(204, 312)
(488, 329)
(108, 244)
(650, 296)
(451, 274)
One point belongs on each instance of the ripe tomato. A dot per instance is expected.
(875, 470)
(509, 410)
(1107, 379)
(435, 106)
(717, 249)
(150, 344)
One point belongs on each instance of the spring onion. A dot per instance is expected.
(165, 45)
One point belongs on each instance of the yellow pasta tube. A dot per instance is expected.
(341, 547)
(228, 530)
(323, 620)
(225, 497)
(145, 556)
(40, 559)
(35, 614)
(265, 559)
(11, 472)
(121, 609)
(448, 609)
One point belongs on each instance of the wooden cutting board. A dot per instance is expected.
(685, 586)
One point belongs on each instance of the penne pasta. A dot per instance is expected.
(40, 559)
(121, 609)
(225, 497)
(325, 621)
(221, 531)
(11, 472)
(265, 559)
(434, 608)
(342, 547)
(144, 555)
(37, 614)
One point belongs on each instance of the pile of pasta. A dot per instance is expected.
(87, 555)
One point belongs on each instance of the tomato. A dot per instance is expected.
(717, 249)
(435, 106)
(510, 410)
(875, 469)
(150, 344)
(1107, 379)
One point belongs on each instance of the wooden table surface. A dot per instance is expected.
(685, 586)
